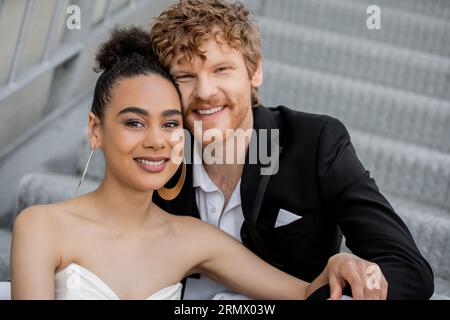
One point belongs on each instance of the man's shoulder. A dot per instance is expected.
(298, 127)
(290, 117)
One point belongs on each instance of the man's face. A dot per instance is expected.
(216, 91)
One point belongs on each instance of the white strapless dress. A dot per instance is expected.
(78, 283)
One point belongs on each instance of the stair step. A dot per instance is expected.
(405, 170)
(435, 8)
(356, 58)
(49, 187)
(430, 228)
(5, 247)
(368, 107)
(399, 27)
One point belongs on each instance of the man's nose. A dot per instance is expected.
(206, 88)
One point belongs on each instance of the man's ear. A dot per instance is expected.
(94, 131)
(257, 77)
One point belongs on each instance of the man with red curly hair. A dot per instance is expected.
(295, 217)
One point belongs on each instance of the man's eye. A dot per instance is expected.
(171, 124)
(134, 124)
(221, 69)
(184, 77)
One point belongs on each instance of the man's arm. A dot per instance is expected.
(372, 229)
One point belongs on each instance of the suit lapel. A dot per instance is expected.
(253, 183)
(189, 191)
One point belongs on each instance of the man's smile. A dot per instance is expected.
(210, 111)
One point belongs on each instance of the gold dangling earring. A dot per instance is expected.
(84, 171)
(170, 194)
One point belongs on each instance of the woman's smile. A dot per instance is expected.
(152, 164)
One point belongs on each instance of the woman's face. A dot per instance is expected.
(141, 132)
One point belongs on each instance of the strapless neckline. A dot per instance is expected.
(74, 270)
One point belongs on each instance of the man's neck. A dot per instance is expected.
(225, 177)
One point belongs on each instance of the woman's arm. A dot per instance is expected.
(229, 262)
(33, 255)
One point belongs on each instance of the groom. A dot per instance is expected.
(292, 207)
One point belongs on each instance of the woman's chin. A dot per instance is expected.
(143, 187)
(150, 188)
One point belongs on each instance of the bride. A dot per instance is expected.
(115, 243)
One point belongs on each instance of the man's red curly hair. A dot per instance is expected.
(179, 32)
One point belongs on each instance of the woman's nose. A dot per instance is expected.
(154, 139)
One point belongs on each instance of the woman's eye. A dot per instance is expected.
(171, 124)
(134, 124)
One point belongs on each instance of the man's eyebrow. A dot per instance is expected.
(225, 62)
(133, 110)
(179, 71)
(212, 65)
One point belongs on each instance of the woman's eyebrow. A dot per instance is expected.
(165, 113)
(134, 110)
(171, 112)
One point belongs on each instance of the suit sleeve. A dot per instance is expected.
(372, 229)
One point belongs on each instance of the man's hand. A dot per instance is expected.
(365, 278)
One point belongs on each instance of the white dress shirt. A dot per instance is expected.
(210, 201)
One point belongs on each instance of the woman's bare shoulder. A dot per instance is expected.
(45, 217)
(40, 218)
(36, 232)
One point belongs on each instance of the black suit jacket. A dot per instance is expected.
(321, 179)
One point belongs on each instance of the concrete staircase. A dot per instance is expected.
(390, 87)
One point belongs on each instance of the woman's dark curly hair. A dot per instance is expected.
(127, 53)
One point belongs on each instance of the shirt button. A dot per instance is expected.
(213, 209)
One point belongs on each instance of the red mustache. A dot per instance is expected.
(197, 103)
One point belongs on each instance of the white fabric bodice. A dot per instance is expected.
(78, 283)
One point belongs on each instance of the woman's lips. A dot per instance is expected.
(153, 166)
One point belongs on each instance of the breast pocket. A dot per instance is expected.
(286, 217)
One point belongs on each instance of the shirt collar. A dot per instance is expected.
(235, 199)
(201, 179)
